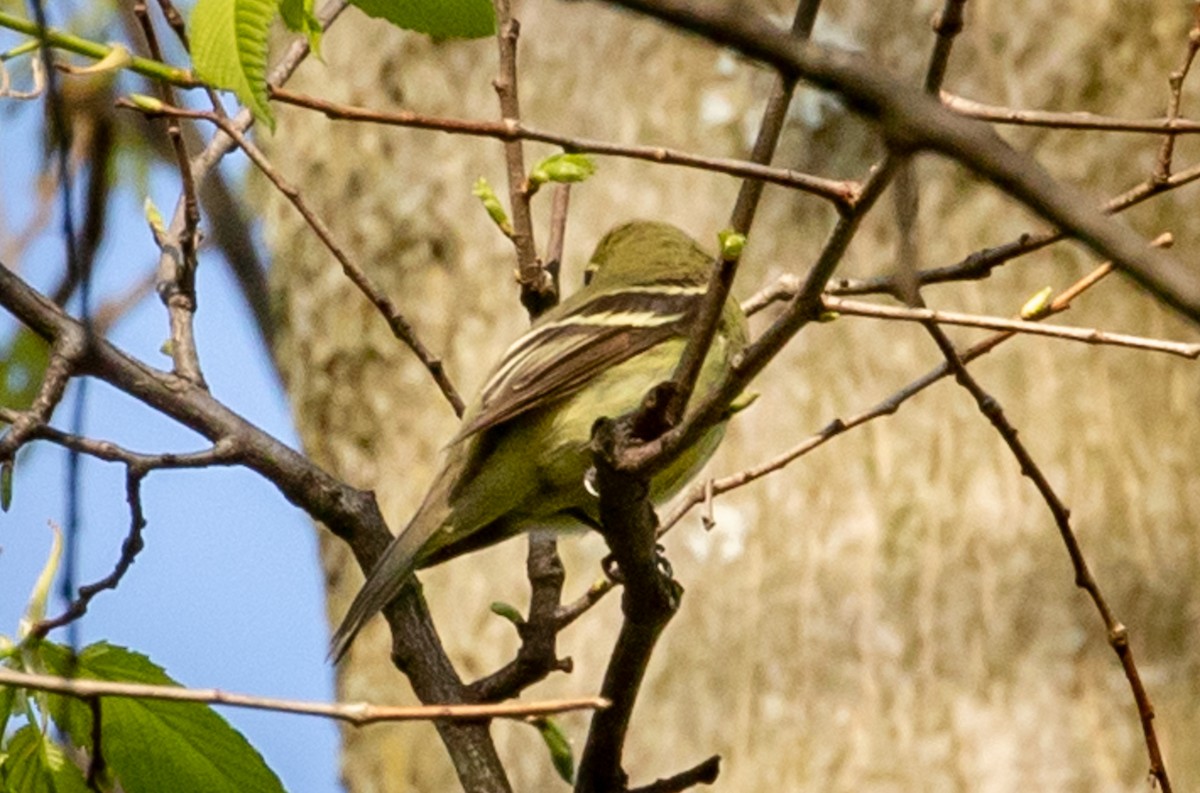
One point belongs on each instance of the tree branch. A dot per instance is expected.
(914, 121)
(360, 714)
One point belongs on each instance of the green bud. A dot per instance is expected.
(508, 611)
(167, 348)
(1037, 306)
(744, 400)
(491, 202)
(19, 50)
(118, 57)
(560, 748)
(828, 316)
(732, 244)
(155, 219)
(563, 168)
(148, 104)
(36, 609)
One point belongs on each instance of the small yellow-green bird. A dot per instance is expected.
(522, 456)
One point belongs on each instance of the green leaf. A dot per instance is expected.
(229, 49)
(559, 746)
(508, 611)
(150, 104)
(491, 202)
(299, 17)
(443, 19)
(563, 168)
(35, 764)
(6, 485)
(36, 609)
(743, 401)
(8, 697)
(151, 745)
(22, 365)
(732, 244)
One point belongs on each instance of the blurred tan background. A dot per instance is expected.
(893, 612)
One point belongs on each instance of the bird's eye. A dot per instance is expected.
(588, 273)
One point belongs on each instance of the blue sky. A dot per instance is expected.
(227, 592)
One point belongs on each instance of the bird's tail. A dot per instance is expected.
(389, 576)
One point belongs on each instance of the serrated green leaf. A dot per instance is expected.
(508, 611)
(443, 19)
(300, 17)
(22, 365)
(559, 747)
(563, 168)
(229, 49)
(35, 764)
(152, 745)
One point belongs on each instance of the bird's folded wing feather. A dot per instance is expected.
(557, 358)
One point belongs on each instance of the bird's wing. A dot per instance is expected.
(557, 358)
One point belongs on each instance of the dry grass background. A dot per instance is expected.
(893, 612)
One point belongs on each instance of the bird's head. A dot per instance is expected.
(644, 252)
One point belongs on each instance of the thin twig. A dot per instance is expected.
(64, 360)
(401, 328)
(359, 714)
(177, 265)
(539, 291)
(841, 193)
(130, 548)
(1085, 335)
(703, 491)
(1068, 120)
(980, 264)
(918, 122)
(1118, 634)
(1166, 153)
(69, 42)
(96, 763)
(175, 21)
(703, 774)
(703, 327)
(537, 656)
(224, 452)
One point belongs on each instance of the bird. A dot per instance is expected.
(521, 459)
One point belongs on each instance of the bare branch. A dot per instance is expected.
(130, 548)
(177, 265)
(360, 714)
(538, 290)
(1118, 634)
(1071, 120)
(703, 774)
(1166, 153)
(915, 121)
(841, 193)
(1085, 335)
(401, 328)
